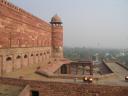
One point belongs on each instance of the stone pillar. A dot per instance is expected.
(69, 69)
(21, 61)
(1, 67)
(59, 71)
(83, 68)
(13, 62)
(91, 68)
(76, 69)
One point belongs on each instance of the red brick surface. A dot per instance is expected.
(57, 36)
(21, 29)
(68, 89)
(22, 34)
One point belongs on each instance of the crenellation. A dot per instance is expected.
(20, 10)
(8, 4)
(12, 6)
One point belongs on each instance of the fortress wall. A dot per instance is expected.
(24, 38)
(21, 29)
(68, 89)
(17, 58)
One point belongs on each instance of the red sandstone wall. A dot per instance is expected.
(17, 58)
(57, 38)
(7, 67)
(68, 89)
(17, 61)
(1, 64)
(20, 29)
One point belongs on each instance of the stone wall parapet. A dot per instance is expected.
(68, 89)
(25, 91)
(122, 65)
(20, 10)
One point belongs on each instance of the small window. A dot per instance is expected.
(36, 54)
(34, 93)
(18, 57)
(25, 56)
(8, 59)
(31, 54)
(48, 52)
(40, 54)
(49, 62)
(44, 53)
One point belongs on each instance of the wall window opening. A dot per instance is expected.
(36, 54)
(8, 59)
(35, 93)
(25, 56)
(18, 57)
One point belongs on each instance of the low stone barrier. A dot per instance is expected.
(68, 89)
(122, 65)
(25, 91)
(71, 76)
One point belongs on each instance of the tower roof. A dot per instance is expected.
(56, 19)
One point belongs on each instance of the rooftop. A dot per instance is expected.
(115, 78)
(8, 90)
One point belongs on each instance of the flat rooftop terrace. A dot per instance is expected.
(29, 73)
(9, 90)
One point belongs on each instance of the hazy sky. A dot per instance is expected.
(89, 23)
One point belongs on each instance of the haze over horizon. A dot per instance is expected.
(89, 23)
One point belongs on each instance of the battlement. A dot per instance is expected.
(10, 5)
(19, 10)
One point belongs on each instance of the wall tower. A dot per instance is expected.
(57, 37)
